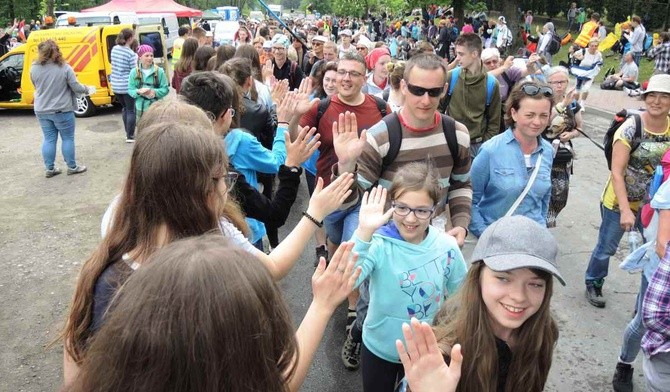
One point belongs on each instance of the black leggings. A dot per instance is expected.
(379, 375)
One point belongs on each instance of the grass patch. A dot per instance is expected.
(610, 59)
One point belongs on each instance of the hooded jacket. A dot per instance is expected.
(406, 280)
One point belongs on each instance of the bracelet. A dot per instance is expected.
(313, 219)
(282, 122)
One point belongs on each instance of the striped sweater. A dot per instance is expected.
(456, 190)
(123, 61)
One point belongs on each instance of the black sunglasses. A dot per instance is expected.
(420, 91)
(532, 90)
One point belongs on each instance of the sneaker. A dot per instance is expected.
(321, 251)
(53, 172)
(626, 91)
(595, 296)
(130, 140)
(351, 353)
(78, 169)
(623, 378)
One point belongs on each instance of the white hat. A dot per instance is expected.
(502, 19)
(658, 84)
(320, 38)
(346, 32)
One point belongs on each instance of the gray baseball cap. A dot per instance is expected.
(517, 242)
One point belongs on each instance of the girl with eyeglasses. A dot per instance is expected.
(411, 266)
(511, 175)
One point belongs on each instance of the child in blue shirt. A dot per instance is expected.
(411, 266)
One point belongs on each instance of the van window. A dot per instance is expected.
(86, 21)
(111, 41)
(11, 69)
(153, 39)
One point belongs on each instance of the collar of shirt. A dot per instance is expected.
(508, 137)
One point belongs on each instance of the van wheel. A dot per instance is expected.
(85, 107)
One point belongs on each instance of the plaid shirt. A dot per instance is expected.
(661, 53)
(656, 309)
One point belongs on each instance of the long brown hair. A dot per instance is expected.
(186, 62)
(203, 315)
(464, 319)
(49, 52)
(171, 183)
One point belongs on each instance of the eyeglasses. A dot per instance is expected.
(559, 82)
(353, 74)
(317, 43)
(420, 91)
(420, 213)
(361, 48)
(229, 179)
(532, 90)
(491, 62)
(267, 49)
(278, 49)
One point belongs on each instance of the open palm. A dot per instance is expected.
(348, 145)
(371, 215)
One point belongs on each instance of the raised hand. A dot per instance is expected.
(333, 283)
(304, 145)
(279, 90)
(348, 145)
(371, 215)
(302, 96)
(328, 199)
(425, 369)
(286, 107)
(268, 71)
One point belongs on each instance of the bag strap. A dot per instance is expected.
(321, 108)
(395, 140)
(523, 194)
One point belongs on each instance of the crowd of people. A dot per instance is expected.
(405, 153)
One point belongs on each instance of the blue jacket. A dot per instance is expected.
(406, 280)
(248, 156)
(499, 175)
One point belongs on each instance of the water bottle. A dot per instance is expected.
(656, 181)
(633, 240)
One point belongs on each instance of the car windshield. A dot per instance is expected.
(86, 21)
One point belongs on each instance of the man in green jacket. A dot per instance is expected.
(467, 101)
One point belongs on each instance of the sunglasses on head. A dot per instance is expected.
(420, 91)
(532, 90)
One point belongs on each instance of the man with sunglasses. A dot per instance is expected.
(470, 100)
(425, 134)
(315, 55)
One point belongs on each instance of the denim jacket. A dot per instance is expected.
(499, 175)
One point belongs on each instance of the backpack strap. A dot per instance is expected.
(490, 85)
(386, 94)
(449, 129)
(291, 72)
(638, 132)
(381, 105)
(455, 73)
(321, 109)
(395, 140)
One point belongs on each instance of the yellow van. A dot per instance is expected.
(86, 49)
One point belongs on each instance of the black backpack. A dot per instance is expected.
(555, 44)
(619, 119)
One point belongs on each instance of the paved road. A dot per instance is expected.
(49, 227)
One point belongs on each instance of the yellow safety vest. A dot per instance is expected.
(176, 49)
(587, 32)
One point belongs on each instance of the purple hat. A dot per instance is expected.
(144, 49)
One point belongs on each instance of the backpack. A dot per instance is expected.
(619, 119)
(395, 139)
(324, 103)
(490, 84)
(554, 45)
(138, 76)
